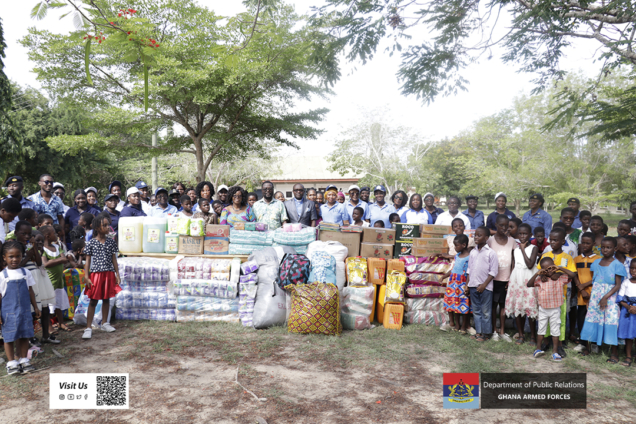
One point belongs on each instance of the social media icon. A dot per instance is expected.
(85, 397)
(71, 397)
(61, 397)
(78, 397)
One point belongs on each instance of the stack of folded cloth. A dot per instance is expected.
(243, 242)
(425, 289)
(351, 229)
(299, 240)
(328, 226)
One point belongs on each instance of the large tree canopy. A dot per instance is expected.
(533, 34)
(227, 84)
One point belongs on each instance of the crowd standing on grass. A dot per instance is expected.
(541, 274)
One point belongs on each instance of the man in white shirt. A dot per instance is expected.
(143, 195)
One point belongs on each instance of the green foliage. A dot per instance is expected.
(36, 119)
(228, 85)
(460, 32)
(10, 141)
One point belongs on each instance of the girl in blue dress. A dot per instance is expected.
(456, 300)
(601, 321)
(626, 299)
(17, 296)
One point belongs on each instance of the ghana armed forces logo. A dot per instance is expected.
(461, 390)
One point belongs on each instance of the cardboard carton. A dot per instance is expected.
(435, 229)
(350, 240)
(425, 252)
(213, 230)
(378, 235)
(376, 270)
(189, 245)
(434, 243)
(402, 249)
(216, 245)
(406, 231)
(373, 250)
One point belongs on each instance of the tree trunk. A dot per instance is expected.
(517, 206)
(198, 147)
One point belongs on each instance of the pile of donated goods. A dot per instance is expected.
(319, 291)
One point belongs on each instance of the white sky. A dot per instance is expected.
(492, 87)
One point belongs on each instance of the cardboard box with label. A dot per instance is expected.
(377, 270)
(402, 249)
(436, 229)
(434, 243)
(375, 250)
(350, 240)
(216, 245)
(378, 235)
(189, 245)
(406, 231)
(213, 230)
(425, 252)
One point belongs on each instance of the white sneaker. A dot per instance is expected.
(495, 337)
(445, 327)
(578, 348)
(471, 331)
(107, 327)
(506, 338)
(88, 333)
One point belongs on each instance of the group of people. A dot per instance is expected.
(524, 268)
(544, 276)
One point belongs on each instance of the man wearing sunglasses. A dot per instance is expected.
(46, 202)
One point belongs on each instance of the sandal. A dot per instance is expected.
(584, 352)
(627, 362)
(520, 341)
(612, 360)
(533, 342)
(63, 327)
(480, 339)
(463, 332)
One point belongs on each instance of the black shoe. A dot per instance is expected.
(51, 340)
(34, 342)
(561, 351)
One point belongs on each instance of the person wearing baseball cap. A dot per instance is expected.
(162, 209)
(143, 195)
(429, 206)
(475, 217)
(332, 211)
(110, 206)
(91, 199)
(575, 204)
(379, 210)
(222, 195)
(115, 188)
(355, 201)
(60, 191)
(536, 216)
(133, 204)
(15, 185)
(500, 209)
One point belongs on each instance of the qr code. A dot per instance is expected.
(111, 390)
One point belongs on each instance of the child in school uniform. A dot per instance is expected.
(16, 300)
(626, 299)
(101, 274)
(503, 246)
(584, 217)
(601, 321)
(550, 279)
(583, 264)
(483, 267)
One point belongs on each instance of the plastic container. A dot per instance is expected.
(376, 270)
(130, 234)
(394, 265)
(154, 235)
(172, 243)
(393, 316)
(379, 304)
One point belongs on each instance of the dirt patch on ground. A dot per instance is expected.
(186, 373)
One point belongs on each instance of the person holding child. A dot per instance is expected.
(551, 282)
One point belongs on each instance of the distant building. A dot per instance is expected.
(310, 171)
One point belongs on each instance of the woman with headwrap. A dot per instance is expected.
(332, 211)
(341, 197)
